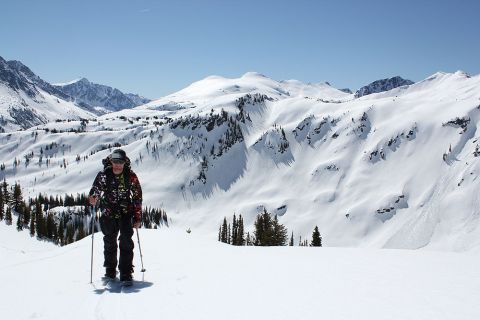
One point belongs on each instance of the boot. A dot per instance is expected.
(126, 279)
(110, 273)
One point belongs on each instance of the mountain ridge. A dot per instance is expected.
(396, 169)
(382, 85)
(26, 100)
(100, 96)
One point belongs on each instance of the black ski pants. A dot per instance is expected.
(111, 227)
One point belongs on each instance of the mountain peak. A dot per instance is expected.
(20, 67)
(462, 74)
(81, 79)
(97, 95)
(252, 74)
(382, 85)
(20, 77)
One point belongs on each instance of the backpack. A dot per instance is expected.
(107, 169)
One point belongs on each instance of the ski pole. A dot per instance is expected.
(93, 213)
(140, 248)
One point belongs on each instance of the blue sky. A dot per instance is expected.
(155, 48)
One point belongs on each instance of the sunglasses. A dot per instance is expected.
(117, 161)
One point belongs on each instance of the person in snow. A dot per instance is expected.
(118, 191)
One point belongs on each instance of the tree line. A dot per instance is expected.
(268, 231)
(67, 225)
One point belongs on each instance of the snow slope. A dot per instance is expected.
(19, 111)
(217, 91)
(396, 169)
(189, 276)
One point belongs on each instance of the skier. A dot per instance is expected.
(120, 194)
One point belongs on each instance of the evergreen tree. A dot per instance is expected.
(259, 230)
(233, 235)
(264, 230)
(280, 234)
(51, 227)
(55, 232)
(1, 206)
(32, 225)
(229, 234)
(39, 221)
(60, 232)
(268, 231)
(20, 222)
(291, 240)
(240, 232)
(8, 216)
(6, 194)
(224, 230)
(70, 234)
(17, 198)
(26, 214)
(80, 232)
(234, 230)
(316, 238)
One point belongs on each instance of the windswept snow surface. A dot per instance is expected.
(190, 276)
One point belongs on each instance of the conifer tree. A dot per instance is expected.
(57, 201)
(39, 221)
(291, 240)
(264, 235)
(224, 230)
(316, 238)
(55, 232)
(8, 216)
(240, 232)
(17, 197)
(280, 234)
(2, 212)
(26, 214)
(234, 230)
(80, 232)
(20, 222)
(229, 234)
(51, 227)
(6, 194)
(32, 225)
(259, 230)
(249, 240)
(70, 234)
(60, 232)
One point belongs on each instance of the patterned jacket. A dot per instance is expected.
(118, 196)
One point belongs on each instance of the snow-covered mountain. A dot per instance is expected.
(100, 97)
(382, 85)
(19, 76)
(26, 100)
(396, 169)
